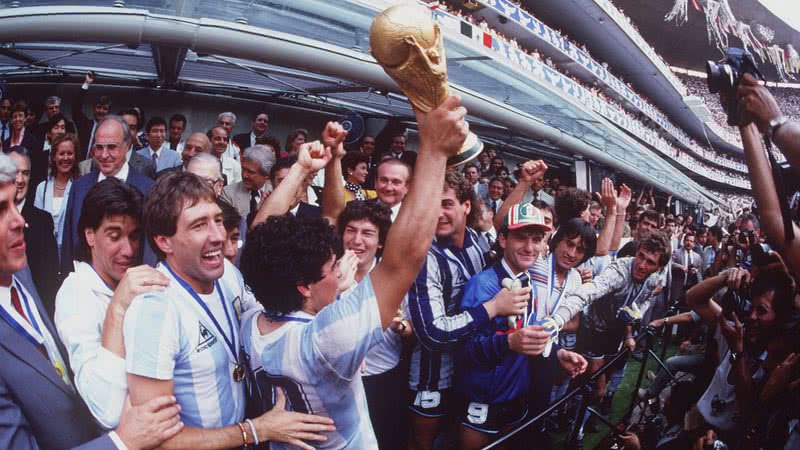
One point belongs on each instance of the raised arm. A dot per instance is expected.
(609, 280)
(311, 157)
(442, 131)
(608, 198)
(623, 200)
(759, 107)
(530, 172)
(333, 193)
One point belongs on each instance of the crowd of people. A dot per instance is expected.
(644, 120)
(205, 290)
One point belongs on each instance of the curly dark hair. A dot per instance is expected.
(106, 199)
(656, 241)
(374, 211)
(285, 252)
(572, 229)
(351, 160)
(571, 204)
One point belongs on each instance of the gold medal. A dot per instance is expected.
(238, 373)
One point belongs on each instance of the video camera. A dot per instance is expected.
(723, 78)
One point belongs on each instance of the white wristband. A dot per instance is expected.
(253, 430)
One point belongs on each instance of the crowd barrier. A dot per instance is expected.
(581, 393)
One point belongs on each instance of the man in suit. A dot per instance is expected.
(34, 367)
(177, 125)
(40, 241)
(87, 127)
(52, 106)
(160, 155)
(299, 208)
(137, 162)
(259, 129)
(195, 144)
(494, 195)
(398, 151)
(112, 142)
(687, 267)
(257, 161)
(227, 121)
(5, 119)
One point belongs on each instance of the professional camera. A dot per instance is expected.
(737, 301)
(723, 78)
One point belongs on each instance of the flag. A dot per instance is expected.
(466, 29)
(487, 40)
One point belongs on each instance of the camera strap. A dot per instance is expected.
(788, 225)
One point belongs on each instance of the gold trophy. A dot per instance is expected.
(408, 45)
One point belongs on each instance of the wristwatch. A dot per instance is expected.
(735, 356)
(776, 123)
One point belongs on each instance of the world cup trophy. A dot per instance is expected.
(408, 45)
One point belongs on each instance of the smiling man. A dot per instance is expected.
(184, 340)
(112, 141)
(391, 183)
(246, 195)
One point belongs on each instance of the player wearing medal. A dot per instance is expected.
(495, 371)
(184, 340)
(307, 343)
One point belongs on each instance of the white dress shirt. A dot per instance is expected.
(232, 151)
(122, 175)
(395, 209)
(232, 169)
(100, 375)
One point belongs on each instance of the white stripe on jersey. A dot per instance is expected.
(317, 362)
(169, 337)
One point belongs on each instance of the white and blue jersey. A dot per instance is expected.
(434, 307)
(170, 336)
(316, 361)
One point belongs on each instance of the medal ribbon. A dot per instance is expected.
(37, 339)
(231, 345)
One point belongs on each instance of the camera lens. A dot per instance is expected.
(713, 76)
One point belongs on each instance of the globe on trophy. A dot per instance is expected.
(408, 45)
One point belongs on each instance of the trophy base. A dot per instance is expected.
(471, 148)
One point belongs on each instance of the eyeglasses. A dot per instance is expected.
(111, 148)
(210, 182)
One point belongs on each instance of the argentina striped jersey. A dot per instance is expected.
(434, 307)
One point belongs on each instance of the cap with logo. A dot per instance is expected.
(525, 215)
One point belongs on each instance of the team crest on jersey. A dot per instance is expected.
(206, 339)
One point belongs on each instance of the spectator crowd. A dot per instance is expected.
(169, 288)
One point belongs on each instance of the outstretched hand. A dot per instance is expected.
(756, 104)
(443, 129)
(332, 138)
(279, 425)
(532, 171)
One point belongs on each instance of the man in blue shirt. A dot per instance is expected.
(495, 364)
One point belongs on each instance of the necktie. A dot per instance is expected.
(253, 207)
(535, 196)
(155, 161)
(5, 129)
(494, 206)
(488, 237)
(18, 306)
(686, 263)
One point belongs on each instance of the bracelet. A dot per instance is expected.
(253, 430)
(666, 319)
(403, 326)
(244, 433)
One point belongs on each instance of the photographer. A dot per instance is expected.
(741, 349)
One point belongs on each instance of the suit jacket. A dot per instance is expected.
(679, 278)
(169, 158)
(39, 159)
(242, 140)
(239, 197)
(137, 162)
(42, 252)
(37, 409)
(307, 210)
(40, 129)
(80, 187)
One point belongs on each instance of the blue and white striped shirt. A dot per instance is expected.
(168, 336)
(316, 361)
(434, 306)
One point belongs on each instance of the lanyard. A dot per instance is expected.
(551, 285)
(35, 340)
(287, 318)
(634, 294)
(191, 291)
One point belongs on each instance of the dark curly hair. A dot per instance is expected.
(374, 211)
(656, 241)
(106, 199)
(571, 204)
(572, 229)
(285, 252)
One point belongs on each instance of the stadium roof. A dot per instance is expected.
(328, 68)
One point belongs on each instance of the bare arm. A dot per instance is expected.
(144, 389)
(530, 172)
(312, 156)
(333, 193)
(623, 200)
(608, 197)
(699, 299)
(441, 133)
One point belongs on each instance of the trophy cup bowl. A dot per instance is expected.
(408, 45)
